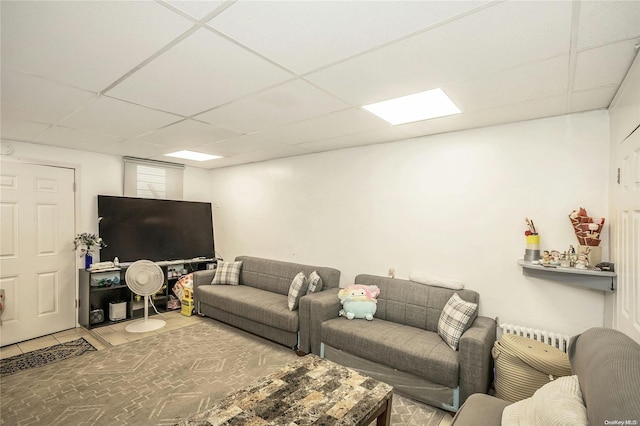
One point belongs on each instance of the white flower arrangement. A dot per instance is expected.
(87, 243)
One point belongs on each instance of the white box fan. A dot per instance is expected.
(144, 278)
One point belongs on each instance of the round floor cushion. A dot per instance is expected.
(524, 365)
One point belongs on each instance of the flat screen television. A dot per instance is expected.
(152, 229)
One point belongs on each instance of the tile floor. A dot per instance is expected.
(101, 337)
(112, 335)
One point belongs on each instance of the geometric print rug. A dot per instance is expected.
(158, 380)
(44, 356)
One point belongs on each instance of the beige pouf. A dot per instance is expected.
(524, 365)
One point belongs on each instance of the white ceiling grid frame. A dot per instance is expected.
(92, 44)
(70, 138)
(448, 53)
(113, 117)
(327, 32)
(541, 79)
(202, 71)
(185, 134)
(492, 58)
(30, 97)
(350, 121)
(605, 22)
(285, 104)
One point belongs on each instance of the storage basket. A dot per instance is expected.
(524, 365)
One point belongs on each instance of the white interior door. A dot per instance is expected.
(37, 261)
(627, 245)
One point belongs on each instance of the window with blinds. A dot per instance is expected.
(152, 179)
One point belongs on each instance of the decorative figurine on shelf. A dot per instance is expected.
(546, 258)
(583, 259)
(572, 256)
(555, 257)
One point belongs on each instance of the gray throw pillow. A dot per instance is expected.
(454, 318)
(297, 289)
(227, 273)
(315, 283)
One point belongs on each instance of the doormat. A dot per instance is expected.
(44, 356)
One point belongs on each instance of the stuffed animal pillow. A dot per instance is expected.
(359, 301)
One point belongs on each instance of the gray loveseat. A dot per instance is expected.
(259, 304)
(607, 363)
(401, 345)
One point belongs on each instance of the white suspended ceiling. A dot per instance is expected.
(257, 80)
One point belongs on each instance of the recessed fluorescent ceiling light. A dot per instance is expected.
(192, 155)
(419, 106)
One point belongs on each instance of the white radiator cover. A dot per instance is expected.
(557, 340)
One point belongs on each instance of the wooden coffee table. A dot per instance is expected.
(310, 391)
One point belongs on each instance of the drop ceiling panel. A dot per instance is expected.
(200, 72)
(387, 134)
(603, 22)
(539, 80)
(29, 97)
(604, 66)
(354, 120)
(196, 9)
(537, 108)
(285, 104)
(499, 37)
(592, 99)
(84, 43)
(263, 80)
(70, 138)
(186, 134)
(21, 130)
(303, 36)
(133, 148)
(113, 117)
(240, 145)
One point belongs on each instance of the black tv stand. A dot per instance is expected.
(97, 290)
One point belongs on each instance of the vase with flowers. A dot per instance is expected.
(87, 243)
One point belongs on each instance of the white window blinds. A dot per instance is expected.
(152, 179)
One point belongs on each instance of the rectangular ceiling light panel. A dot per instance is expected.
(192, 155)
(419, 106)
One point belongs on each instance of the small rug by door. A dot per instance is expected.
(44, 356)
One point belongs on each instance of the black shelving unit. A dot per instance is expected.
(95, 295)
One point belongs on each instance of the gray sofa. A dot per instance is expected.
(401, 345)
(607, 363)
(259, 304)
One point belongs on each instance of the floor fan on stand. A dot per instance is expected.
(144, 278)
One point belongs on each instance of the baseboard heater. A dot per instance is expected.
(557, 340)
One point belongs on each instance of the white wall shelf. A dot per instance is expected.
(584, 278)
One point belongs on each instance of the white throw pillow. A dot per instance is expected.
(315, 283)
(558, 403)
(227, 273)
(454, 319)
(297, 289)
(422, 278)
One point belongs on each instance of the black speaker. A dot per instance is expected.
(96, 316)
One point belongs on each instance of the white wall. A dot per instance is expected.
(452, 205)
(98, 174)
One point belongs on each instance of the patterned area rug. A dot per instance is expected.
(45, 356)
(157, 380)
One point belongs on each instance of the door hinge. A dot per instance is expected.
(618, 178)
